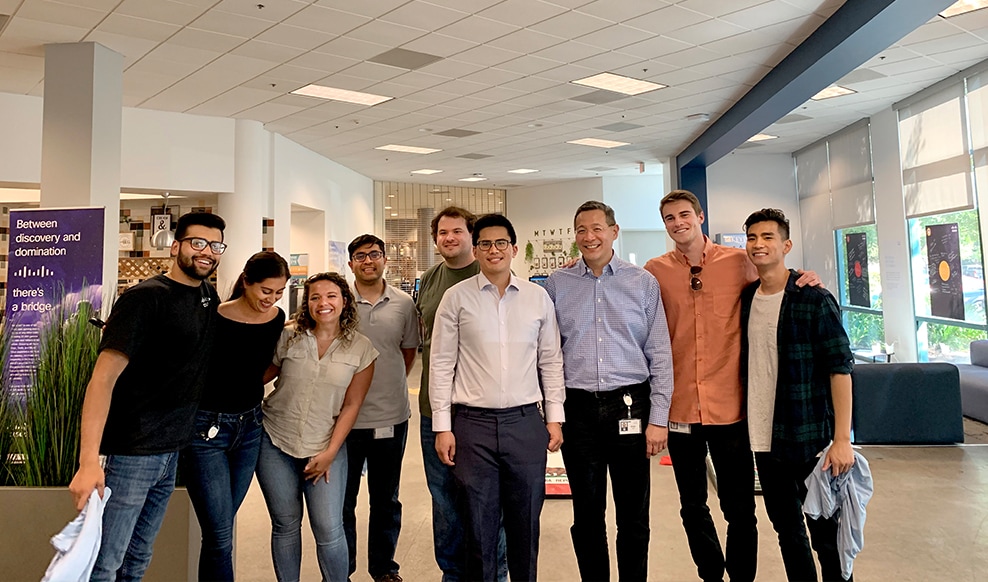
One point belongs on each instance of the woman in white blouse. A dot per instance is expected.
(324, 368)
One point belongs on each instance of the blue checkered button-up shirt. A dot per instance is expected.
(614, 331)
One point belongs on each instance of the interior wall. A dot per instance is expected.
(308, 236)
(20, 148)
(739, 184)
(344, 199)
(545, 213)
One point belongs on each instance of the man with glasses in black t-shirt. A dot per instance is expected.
(141, 400)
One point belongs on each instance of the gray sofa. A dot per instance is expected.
(974, 382)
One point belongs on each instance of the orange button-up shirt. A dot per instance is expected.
(705, 328)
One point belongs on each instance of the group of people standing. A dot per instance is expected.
(707, 348)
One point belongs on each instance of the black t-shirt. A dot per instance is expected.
(165, 329)
(241, 354)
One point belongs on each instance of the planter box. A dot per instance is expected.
(30, 516)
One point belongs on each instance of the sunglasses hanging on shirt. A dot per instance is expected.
(695, 283)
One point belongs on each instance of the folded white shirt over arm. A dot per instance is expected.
(77, 545)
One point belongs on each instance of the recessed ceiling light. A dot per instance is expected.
(449, 200)
(391, 195)
(394, 214)
(963, 7)
(831, 92)
(343, 95)
(387, 208)
(490, 193)
(427, 172)
(522, 171)
(598, 143)
(619, 84)
(762, 137)
(473, 179)
(407, 149)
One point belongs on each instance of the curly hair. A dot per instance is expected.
(348, 317)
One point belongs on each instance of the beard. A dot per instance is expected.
(189, 267)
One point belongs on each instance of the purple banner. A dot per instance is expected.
(54, 256)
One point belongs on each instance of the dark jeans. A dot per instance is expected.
(447, 527)
(500, 465)
(218, 472)
(784, 489)
(592, 448)
(730, 452)
(383, 458)
(141, 486)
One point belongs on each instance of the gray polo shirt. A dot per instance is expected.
(392, 325)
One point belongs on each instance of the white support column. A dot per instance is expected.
(893, 238)
(80, 143)
(245, 208)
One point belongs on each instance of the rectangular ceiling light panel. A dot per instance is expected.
(344, 95)
(619, 84)
(598, 143)
(407, 149)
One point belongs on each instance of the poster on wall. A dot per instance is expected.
(858, 289)
(53, 255)
(943, 250)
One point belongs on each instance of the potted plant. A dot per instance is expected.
(40, 429)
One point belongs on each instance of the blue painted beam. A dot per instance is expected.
(856, 32)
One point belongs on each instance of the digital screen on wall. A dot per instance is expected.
(858, 289)
(943, 250)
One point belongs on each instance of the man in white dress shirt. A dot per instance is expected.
(494, 336)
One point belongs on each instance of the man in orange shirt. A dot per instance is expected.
(701, 284)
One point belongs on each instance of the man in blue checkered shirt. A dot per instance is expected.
(617, 363)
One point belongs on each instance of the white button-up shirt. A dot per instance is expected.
(491, 351)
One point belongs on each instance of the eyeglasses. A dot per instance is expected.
(373, 255)
(200, 244)
(500, 244)
(695, 283)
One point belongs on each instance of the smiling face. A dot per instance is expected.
(453, 239)
(682, 222)
(766, 247)
(368, 271)
(197, 265)
(495, 262)
(325, 304)
(595, 238)
(263, 295)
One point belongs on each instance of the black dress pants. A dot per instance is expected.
(500, 466)
(784, 490)
(592, 448)
(730, 452)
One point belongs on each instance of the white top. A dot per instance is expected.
(77, 545)
(763, 368)
(300, 414)
(490, 351)
(391, 324)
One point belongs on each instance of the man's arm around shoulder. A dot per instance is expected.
(96, 406)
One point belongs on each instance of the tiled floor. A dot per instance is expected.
(927, 521)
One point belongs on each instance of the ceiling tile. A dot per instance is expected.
(526, 40)
(47, 32)
(424, 16)
(439, 45)
(369, 8)
(720, 8)
(619, 10)
(668, 19)
(373, 71)
(477, 29)
(326, 20)
(295, 36)
(487, 55)
(132, 48)
(351, 48)
(230, 23)
(522, 12)
(201, 39)
(274, 53)
(529, 64)
(764, 14)
(137, 27)
(182, 54)
(615, 37)
(386, 33)
(232, 102)
(707, 31)
(452, 68)
(267, 112)
(161, 10)
(655, 47)
(56, 13)
(492, 77)
(609, 61)
(272, 12)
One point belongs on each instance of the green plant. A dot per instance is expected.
(574, 250)
(53, 405)
(8, 413)
(529, 251)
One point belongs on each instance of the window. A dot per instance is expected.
(860, 286)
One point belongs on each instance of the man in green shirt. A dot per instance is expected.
(452, 231)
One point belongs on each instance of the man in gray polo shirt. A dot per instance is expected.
(389, 319)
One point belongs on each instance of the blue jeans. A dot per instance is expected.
(218, 471)
(383, 458)
(447, 526)
(141, 486)
(284, 485)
